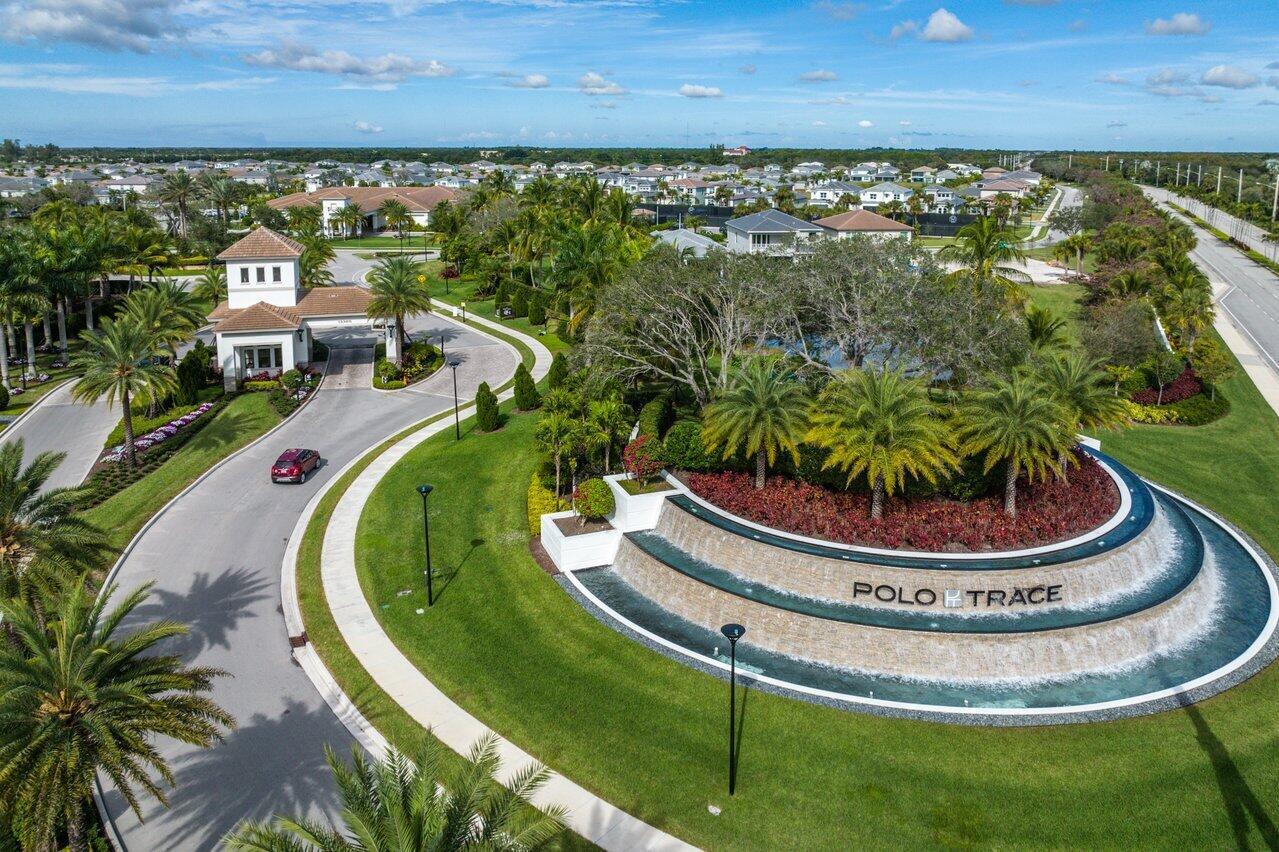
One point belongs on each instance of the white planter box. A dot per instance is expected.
(572, 552)
(635, 511)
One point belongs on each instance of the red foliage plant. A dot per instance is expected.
(449, 272)
(642, 458)
(1046, 512)
(1181, 388)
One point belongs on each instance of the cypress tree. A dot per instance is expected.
(526, 396)
(537, 309)
(558, 372)
(486, 414)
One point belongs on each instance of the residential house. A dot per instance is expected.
(944, 175)
(992, 188)
(420, 201)
(829, 193)
(865, 223)
(739, 151)
(685, 239)
(993, 173)
(923, 174)
(882, 193)
(770, 232)
(888, 172)
(16, 187)
(942, 199)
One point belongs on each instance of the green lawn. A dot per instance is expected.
(247, 417)
(412, 241)
(1062, 300)
(647, 733)
(460, 290)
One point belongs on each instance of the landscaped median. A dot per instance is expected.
(647, 734)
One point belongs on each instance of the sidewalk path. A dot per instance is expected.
(590, 816)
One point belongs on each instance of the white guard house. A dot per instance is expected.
(266, 324)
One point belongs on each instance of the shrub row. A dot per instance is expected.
(541, 501)
(1046, 512)
(656, 416)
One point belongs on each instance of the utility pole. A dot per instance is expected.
(1239, 194)
(1070, 161)
(1176, 180)
(1201, 175)
(1274, 205)
(1107, 162)
(1157, 164)
(1219, 180)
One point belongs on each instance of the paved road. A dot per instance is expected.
(1245, 232)
(60, 425)
(215, 557)
(1252, 291)
(1070, 197)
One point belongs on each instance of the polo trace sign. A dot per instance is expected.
(957, 598)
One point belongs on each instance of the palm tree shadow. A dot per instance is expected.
(745, 690)
(1240, 801)
(457, 569)
(210, 608)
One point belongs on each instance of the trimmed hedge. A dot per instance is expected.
(541, 501)
(685, 449)
(557, 373)
(656, 416)
(255, 385)
(594, 500)
(143, 425)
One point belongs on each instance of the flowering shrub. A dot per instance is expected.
(1183, 387)
(161, 433)
(1046, 512)
(642, 458)
(593, 500)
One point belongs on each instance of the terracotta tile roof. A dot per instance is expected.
(260, 317)
(334, 301)
(262, 243)
(418, 199)
(220, 311)
(861, 220)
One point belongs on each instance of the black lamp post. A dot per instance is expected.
(732, 632)
(457, 422)
(425, 491)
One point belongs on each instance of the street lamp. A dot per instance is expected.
(464, 313)
(457, 423)
(425, 491)
(732, 632)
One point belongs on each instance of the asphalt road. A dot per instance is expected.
(1070, 197)
(215, 556)
(60, 425)
(1252, 292)
(1245, 232)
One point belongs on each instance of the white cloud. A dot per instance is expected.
(1229, 77)
(1077, 26)
(865, 123)
(593, 83)
(368, 127)
(384, 70)
(1112, 79)
(1180, 24)
(944, 26)
(748, 68)
(137, 25)
(905, 28)
(819, 123)
(1166, 77)
(68, 80)
(819, 76)
(905, 122)
(690, 90)
(530, 81)
(840, 11)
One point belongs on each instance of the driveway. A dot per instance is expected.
(215, 557)
(60, 425)
(1251, 297)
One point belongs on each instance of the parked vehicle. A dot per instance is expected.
(294, 465)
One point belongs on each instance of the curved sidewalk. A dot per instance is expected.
(588, 815)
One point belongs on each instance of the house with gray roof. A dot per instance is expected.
(770, 232)
(686, 239)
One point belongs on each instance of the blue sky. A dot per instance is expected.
(832, 73)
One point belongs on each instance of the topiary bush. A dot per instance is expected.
(537, 309)
(656, 415)
(487, 417)
(4, 397)
(519, 302)
(558, 373)
(685, 449)
(643, 458)
(593, 500)
(261, 385)
(526, 396)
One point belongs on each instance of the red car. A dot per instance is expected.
(294, 465)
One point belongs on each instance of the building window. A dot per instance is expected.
(275, 274)
(244, 275)
(261, 274)
(263, 358)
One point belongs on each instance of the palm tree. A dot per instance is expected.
(586, 259)
(397, 292)
(1046, 330)
(1076, 245)
(168, 312)
(313, 266)
(44, 542)
(557, 432)
(763, 410)
(398, 804)
(210, 287)
(612, 418)
(1082, 390)
(984, 249)
(397, 217)
(304, 220)
(178, 190)
(882, 424)
(222, 192)
(81, 698)
(1186, 302)
(349, 219)
(1017, 423)
(116, 363)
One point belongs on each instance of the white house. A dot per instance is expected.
(418, 200)
(923, 174)
(829, 193)
(942, 199)
(882, 193)
(265, 325)
(769, 232)
(843, 226)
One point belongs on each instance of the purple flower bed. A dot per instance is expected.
(1181, 388)
(160, 434)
